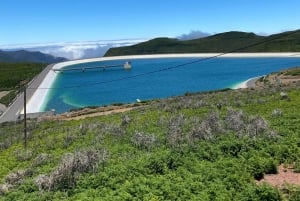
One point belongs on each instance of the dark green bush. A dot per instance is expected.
(268, 193)
(271, 167)
(156, 166)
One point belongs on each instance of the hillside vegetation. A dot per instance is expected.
(13, 76)
(223, 42)
(18, 68)
(206, 146)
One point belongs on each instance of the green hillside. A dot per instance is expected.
(224, 42)
(14, 75)
(206, 146)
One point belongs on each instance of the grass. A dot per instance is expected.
(207, 146)
(293, 72)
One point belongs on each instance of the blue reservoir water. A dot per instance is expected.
(95, 87)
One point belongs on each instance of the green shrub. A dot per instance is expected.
(297, 166)
(271, 167)
(267, 193)
(156, 166)
(257, 167)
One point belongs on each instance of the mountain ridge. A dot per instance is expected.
(232, 41)
(28, 56)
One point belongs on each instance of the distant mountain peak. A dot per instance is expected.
(234, 34)
(28, 56)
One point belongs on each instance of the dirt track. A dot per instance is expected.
(100, 111)
(286, 175)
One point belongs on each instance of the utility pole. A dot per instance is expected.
(25, 120)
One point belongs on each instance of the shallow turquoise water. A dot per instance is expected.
(97, 87)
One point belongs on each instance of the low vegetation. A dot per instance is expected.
(207, 146)
(13, 76)
(293, 72)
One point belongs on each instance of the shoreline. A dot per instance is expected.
(36, 103)
(250, 83)
(185, 55)
(181, 55)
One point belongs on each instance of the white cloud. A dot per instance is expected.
(262, 34)
(75, 50)
(193, 35)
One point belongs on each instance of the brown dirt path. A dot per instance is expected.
(286, 175)
(88, 112)
(114, 111)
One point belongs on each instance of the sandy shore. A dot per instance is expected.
(35, 104)
(247, 84)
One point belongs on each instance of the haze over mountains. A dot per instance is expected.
(88, 49)
(193, 42)
(74, 50)
(27, 56)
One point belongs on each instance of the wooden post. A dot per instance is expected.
(25, 120)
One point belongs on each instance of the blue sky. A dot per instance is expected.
(46, 21)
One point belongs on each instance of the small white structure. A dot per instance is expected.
(127, 65)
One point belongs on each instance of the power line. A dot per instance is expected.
(173, 67)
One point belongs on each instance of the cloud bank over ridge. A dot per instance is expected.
(75, 50)
(194, 34)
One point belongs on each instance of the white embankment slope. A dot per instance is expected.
(36, 102)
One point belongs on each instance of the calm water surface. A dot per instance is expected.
(97, 87)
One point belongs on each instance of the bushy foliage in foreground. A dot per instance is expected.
(209, 146)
